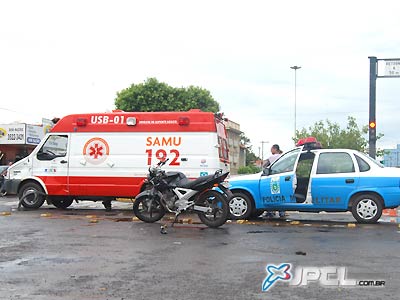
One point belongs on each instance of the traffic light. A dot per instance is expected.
(372, 131)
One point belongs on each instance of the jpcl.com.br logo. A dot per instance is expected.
(302, 276)
(276, 273)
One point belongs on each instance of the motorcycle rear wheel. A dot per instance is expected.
(148, 209)
(219, 209)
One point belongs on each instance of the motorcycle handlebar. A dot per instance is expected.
(162, 162)
(218, 172)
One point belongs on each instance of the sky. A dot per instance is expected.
(63, 57)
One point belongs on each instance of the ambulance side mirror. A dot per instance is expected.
(45, 155)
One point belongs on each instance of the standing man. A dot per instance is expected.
(276, 153)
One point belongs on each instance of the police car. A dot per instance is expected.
(311, 179)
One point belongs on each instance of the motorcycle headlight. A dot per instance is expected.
(225, 184)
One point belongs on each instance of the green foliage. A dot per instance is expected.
(251, 158)
(332, 136)
(250, 169)
(153, 95)
(304, 166)
(245, 140)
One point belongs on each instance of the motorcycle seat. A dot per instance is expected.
(190, 184)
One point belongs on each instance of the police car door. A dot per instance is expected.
(277, 186)
(334, 180)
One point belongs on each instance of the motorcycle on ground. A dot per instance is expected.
(173, 192)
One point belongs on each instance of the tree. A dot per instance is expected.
(330, 135)
(251, 158)
(153, 95)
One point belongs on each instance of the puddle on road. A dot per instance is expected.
(34, 261)
(13, 263)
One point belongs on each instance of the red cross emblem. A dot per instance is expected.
(96, 151)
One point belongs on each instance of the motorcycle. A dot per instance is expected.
(173, 192)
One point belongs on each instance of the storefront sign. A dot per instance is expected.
(34, 134)
(20, 134)
(12, 134)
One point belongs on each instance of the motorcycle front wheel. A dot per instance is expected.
(218, 209)
(148, 209)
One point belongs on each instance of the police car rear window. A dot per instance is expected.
(362, 164)
(335, 162)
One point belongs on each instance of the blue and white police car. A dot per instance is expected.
(311, 179)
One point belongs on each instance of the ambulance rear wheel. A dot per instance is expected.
(62, 202)
(31, 195)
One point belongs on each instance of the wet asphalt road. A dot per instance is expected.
(86, 253)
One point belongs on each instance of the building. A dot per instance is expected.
(237, 151)
(391, 157)
(18, 140)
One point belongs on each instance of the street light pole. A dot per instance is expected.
(295, 68)
(262, 151)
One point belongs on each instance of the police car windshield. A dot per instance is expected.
(370, 160)
(286, 162)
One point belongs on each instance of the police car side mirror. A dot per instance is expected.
(266, 171)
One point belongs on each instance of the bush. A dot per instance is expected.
(249, 169)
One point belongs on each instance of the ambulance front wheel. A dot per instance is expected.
(31, 195)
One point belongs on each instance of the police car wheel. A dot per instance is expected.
(31, 195)
(240, 206)
(367, 208)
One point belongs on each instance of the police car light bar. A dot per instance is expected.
(309, 143)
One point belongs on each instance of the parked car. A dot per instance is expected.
(311, 179)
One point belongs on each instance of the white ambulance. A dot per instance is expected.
(103, 156)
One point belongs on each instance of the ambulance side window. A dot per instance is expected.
(223, 148)
(55, 146)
